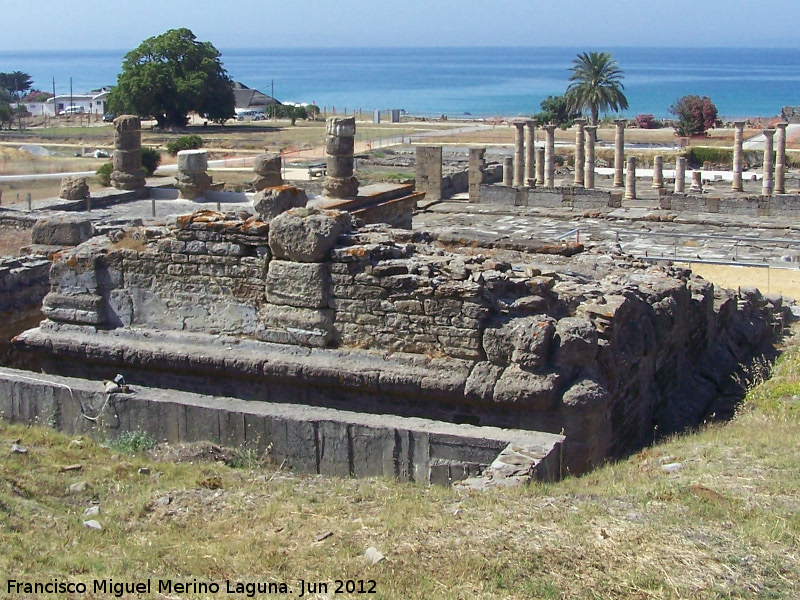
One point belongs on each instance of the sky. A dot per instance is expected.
(104, 24)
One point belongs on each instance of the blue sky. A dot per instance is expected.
(106, 24)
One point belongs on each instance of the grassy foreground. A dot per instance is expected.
(724, 523)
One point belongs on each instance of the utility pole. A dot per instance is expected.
(55, 106)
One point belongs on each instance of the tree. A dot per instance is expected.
(695, 115)
(555, 112)
(596, 85)
(170, 75)
(16, 83)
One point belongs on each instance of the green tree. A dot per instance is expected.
(170, 75)
(16, 83)
(555, 112)
(596, 85)
(695, 115)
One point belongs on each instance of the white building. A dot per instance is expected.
(91, 102)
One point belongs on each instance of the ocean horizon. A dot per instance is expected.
(461, 81)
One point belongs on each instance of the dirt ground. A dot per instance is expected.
(770, 281)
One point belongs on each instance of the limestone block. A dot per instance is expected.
(481, 381)
(524, 389)
(261, 182)
(524, 341)
(127, 132)
(266, 164)
(272, 201)
(192, 184)
(576, 342)
(339, 146)
(62, 231)
(127, 161)
(74, 188)
(306, 235)
(586, 394)
(341, 126)
(298, 284)
(292, 325)
(338, 187)
(339, 167)
(192, 161)
(128, 181)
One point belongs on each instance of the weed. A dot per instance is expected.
(133, 442)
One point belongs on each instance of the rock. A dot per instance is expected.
(78, 487)
(373, 556)
(576, 341)
(92, 524)
(17, 449)
(62, 231)
(524, 341)
(304, 285)
(162, 501)
(586, 394)
(144, 471)
(192, 161)
(323, 536)
(306, 235)
(272, 201)
(111, 387)
(267, 168)
(672, 467)
(92, 511)
(74, 188)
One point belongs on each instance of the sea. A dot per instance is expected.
(462, 82)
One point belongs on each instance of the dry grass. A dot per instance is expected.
(12, 239)
(726, 525)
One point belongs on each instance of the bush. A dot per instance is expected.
(104, 174)
(151, 158)
(133, 442)
(647, 122)
(696, 156)
(185, 142)
(696, 115)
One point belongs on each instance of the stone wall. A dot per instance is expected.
(23, 284)
(557, 197)
(608, 350)
(753, 206)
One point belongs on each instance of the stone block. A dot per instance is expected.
(292, 325)
(193, 161)
(339, 146)
(304, 285)
(267, 164)
(306, 235)
(74, 188)
(62, 231)
(341, 126)
(525, 341)
(272, 201)
(576, 342)
(341, 187)
(339, 167)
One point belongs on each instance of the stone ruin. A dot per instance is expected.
(127, 173)
(307, 308)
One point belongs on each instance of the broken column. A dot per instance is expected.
(539, 166)
(519, 153)
(192, 179)
(508, 171)
(339, 146)
(619, 151)
(680, 175)
(630, 179)
(429, 171)
(780, 158)
(580, 155)
(127, 173)
(477, 164)
(550, 156)
(530, 153)
(588, 175)
(738, 137)
(697, 182)
(267, 168)
(768, 182)
(658, 172)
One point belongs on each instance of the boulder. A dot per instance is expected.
(74, 188)
(524, 341)
(576, 341)
(272, 201)
(306, 235)
(62, 231)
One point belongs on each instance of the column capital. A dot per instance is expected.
(768, 132)
(782, 125)
(590, 129)
(531, 122)
(739, 124)
(620, 122)
(550, 128)
(582, 122)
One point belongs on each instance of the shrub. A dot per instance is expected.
(185, 142)
(133, 442)
(695, 115)
(647, 122)
(696, 156)
(104, 174)
(151, 158)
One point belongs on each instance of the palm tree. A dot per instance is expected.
(596, 84)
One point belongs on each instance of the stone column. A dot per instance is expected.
(630, 179)
(680, 175)
(580, 156)
(267, 169)
(539, 166)
(192, 179)
(780, 158)
(738, 137)
(550, 156)
(519, 153)
(508, 171)
(619, 151)
(697, 182)
(658, 172)
(588, 168)
(339, 146)
(530, 153)
(127, 173)
(429, 171)
(768, 182)
(477, 164)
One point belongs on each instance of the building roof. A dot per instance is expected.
(248, 98)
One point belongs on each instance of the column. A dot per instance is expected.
(630, 179)
(658, 172)
(477, 164)
(697, 182)
(339, 145)
(550, 156)
(539, 166)
(680, 175)
(588, 168)
(267, 169)
(619, 151)
(519, 153)
(429, 171)
(780, 158)
(127, 173)
(192, 180)
(738, 136)
(508, 171)
(530, 153)
(768, 182)
(580, 155)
